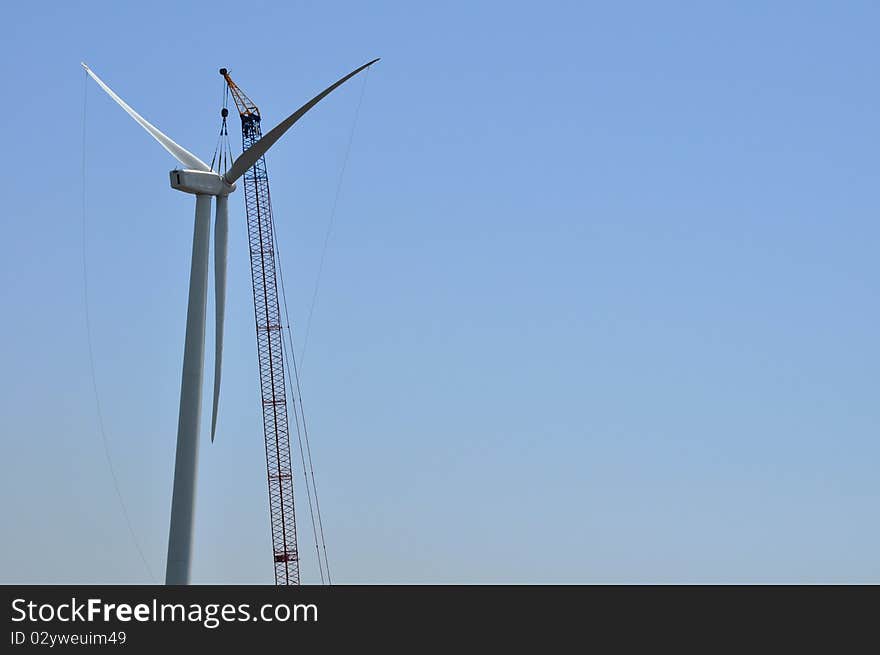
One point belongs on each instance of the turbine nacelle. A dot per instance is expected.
(200, 182)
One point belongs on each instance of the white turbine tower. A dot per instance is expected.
(200, 180)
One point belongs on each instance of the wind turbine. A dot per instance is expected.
(200, 180)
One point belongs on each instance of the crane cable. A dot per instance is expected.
(299, 415)
(223, 147)
(332, 218)
(290, 353)
(98, 411)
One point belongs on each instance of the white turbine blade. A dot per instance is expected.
(180, 153)
(221, 232)
(250, 156)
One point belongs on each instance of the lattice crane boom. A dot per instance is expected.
(245, 105)
(269, 326)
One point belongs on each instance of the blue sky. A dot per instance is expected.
(600, 303)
